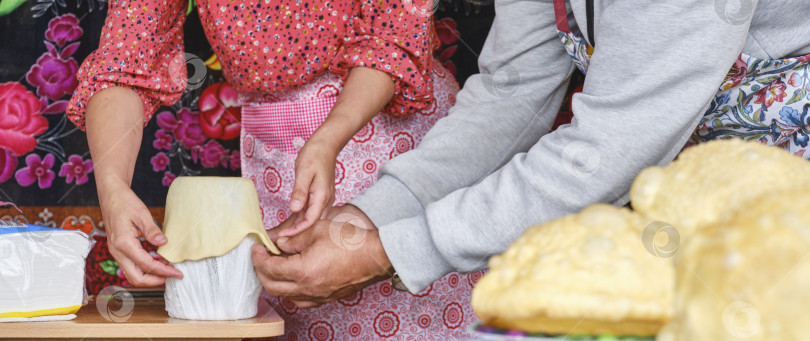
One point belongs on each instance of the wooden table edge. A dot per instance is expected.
(148, 321)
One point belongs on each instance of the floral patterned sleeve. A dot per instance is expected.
(141, 48)
(393, 36)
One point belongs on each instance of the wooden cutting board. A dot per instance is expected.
(148, 321)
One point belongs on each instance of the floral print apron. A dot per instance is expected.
(274, 127)
(763, 100)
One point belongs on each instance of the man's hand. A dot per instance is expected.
(332, 259)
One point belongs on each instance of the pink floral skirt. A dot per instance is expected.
(274, 127)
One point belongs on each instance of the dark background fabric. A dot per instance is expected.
(24, 36)
(68, 203)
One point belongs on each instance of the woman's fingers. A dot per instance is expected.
(315, 202)
(137, 277)
(151, 231)
(303, 220)
(133, 251)
(129, 219)
(303, 180)
(320, 198)
(297, 228)
(328, 206)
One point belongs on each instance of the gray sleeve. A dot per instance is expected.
(502, 111)
(655, 69)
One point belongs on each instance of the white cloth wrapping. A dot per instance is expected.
(216, 288)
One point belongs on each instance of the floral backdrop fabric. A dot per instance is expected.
(44, 159)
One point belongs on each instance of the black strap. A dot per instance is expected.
(589, 14)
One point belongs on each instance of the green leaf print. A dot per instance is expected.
(7, 6)
(798, 95)
(109, 266)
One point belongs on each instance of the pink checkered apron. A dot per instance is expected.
(274, 127)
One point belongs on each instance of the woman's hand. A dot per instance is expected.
(114, 131)
(314, 189)
(364, 94)
(126, 218)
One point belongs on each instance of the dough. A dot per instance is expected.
(586, 273)
(712, 179)
(209, 216)
(747, 278)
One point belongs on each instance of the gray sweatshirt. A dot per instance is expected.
(491, 168)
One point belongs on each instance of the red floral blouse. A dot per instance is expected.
(263, 46)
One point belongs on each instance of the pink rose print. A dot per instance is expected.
(21, 119)
(447, 31)
(63, 29)
(160, 162)
(168, 178)
(220, 112)
(450, 66)
(773, 92)
(212, 154)
(444, 58)
(386, 324)
(447, 34)
(76, 168)
(447, 53)
(185, 127)
(8, 164)
(162, 140)
(54, 77)
(321, 330)
(234, 160)
(37, 170)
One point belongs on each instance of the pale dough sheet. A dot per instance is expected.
(209, 216)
